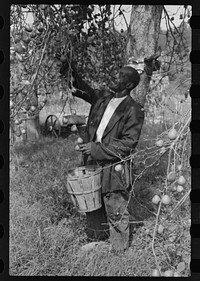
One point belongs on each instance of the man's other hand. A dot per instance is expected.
(85, 148)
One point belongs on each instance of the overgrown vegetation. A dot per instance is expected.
(47, 233)
(85, 34)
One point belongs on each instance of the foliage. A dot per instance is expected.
(47, 234)
(47, 239)
(174, 76)
(175, 43)
(58, 33)
(84, 34)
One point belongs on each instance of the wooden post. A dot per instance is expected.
(32, 128)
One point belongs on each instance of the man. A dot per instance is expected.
(112, 132)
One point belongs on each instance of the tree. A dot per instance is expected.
(58, 35)
(142, 42)
(142, 47)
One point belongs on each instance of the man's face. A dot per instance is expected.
(123, 79)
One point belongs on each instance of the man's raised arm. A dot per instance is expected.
(83, 90)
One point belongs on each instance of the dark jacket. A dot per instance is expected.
(120, 136)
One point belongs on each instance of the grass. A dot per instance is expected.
(47, 233)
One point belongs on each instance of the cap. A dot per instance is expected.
(138, 65)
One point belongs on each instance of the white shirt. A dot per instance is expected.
(110, 109)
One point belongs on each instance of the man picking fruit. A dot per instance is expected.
(112, 132)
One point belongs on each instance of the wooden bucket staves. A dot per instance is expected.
(84, 187)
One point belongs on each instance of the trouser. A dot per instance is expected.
(111, 220)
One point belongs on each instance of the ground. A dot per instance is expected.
(47, 233)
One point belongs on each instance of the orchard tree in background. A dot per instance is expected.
(149, 48)
(58, 35)
(142, 44)
(85, 35)
(143, 51)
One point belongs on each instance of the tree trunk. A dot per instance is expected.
(142, 42)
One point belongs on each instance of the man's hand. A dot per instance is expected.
(85, 148)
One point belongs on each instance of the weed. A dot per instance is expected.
(47, 233)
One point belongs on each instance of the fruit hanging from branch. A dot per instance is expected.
(168, 273)
(156, 199)
(155, 273)
(18, 122)
(118, 168)
(77, 147)
(32, 108)
(25, 82)
(176, 274)
(159, 143)
(174, 188)
(171, 176)
(74, 128)
(179, 167)
(172, 135)
(162, 150)
(80, 140)
(166, 200)
(179, 188)
(181, 180)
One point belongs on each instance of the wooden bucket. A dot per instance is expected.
(84, 187)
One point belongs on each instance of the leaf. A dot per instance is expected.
(181, 267)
